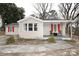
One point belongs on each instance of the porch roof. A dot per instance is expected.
(58, 21)
(54, 20)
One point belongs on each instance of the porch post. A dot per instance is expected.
(71, 30)
(63, 29)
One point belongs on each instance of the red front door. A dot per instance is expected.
(55, 28)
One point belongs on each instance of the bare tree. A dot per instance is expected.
(43, 9)
(69, 11)
(52, 15)
(76, 32)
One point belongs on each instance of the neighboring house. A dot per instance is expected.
(34, 28)
(12, 29)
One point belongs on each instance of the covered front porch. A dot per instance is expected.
(57, 29)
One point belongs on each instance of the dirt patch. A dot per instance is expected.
(30, 41)
(2, 33)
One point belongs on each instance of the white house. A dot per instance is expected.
(34, 28)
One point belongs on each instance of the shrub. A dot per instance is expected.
(52, 39)
(10, 40)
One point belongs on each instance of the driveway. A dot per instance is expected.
(34, 48)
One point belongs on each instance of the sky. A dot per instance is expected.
(28, 4)
(29, 8)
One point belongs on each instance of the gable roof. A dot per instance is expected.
(44, 20)
(30, 17)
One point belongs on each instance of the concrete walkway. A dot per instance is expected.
(34, 48)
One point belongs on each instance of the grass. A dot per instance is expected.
(70, 41)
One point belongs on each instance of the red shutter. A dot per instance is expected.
(58, 28)
(52, 27)
(13, 27)
(8, 28)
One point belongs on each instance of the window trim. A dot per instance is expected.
(26, 27)
(32, 27)
(35, 27)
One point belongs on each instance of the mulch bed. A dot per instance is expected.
(30, 41)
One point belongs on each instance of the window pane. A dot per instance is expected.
(30, 27)
(35, 27)
(26, 26)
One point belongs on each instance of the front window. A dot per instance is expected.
(30, 26)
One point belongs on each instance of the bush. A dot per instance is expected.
(52, 39)
(10, 40)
